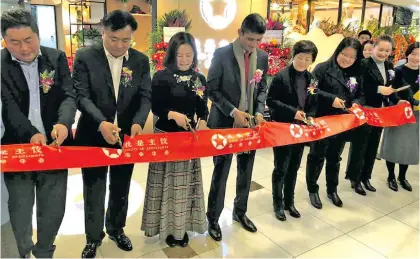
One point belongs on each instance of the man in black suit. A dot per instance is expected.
(39, 111)
(234, 102)
(113, 88)
(377, 74)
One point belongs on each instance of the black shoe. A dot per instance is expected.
(293, 211)
(90, 249)
(170, 241)
(368, 186)
(246, 223)
(315, 200)
(358, 188)
(392, 184)
(335, 199)
(214, 231)
(184, 241)
(279, 211)
(122, 241)
(405, 185)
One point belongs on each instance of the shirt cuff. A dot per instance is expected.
(378, 90)
(231, 113)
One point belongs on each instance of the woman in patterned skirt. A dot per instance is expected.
(401, 144)
(174, 202)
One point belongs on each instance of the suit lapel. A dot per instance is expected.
(44, 65)
(375, 73)
(338, 76)
(122, 86)
(387, 68)
(291, 82)
(106, 69)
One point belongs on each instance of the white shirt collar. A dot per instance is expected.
(109, 54)
(22, 62)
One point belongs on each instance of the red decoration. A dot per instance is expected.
(184, 146)
(159, 55)
(278, 57)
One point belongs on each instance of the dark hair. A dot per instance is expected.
(305, 46)
(177, 40)
(410, 48)
(253, 23)
(16, 19)
(365, 32)
(384, 38)
(350, 42)
(366, 43)
(117, 20)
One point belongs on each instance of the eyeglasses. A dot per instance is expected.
(347, 56)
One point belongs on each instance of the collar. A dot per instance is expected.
(25, 63)
(109, 54)
(377, 62)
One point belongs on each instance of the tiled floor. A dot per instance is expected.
(384, 224)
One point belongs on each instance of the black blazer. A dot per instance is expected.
(224, 86)
(58, 106)
(405, 76)
(95, 94)
(372, 78)
(283, 101)
(332, 80)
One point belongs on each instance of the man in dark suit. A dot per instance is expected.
(234, 102)
(377, 74)
(39, 105)
(113, 88)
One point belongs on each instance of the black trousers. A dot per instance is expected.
(373, 139)
(330, 149)
(216, 200)
(50, 189)
(287, 160)
(94, 190)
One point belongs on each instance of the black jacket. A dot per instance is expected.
(372, 78)
(58, 105)
(333, 80)
(282, 97)
(95, 94)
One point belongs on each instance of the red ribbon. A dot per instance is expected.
(183, 146)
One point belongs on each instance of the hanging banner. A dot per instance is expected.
(184, 145)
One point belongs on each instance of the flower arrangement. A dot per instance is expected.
(391, 74)
(198, 88)
(329, 28)
(275, 25)
(278, 57)
(126, 76)
(46, 80)
(257, 77)
(175, 18)
(313, 86)
(159, 56)
(352, 84)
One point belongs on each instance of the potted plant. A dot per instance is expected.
(87, 37)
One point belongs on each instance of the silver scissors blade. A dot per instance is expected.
(56, 139)
(401, 88)
(117, 136)
(190, 128)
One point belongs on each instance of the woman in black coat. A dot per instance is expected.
(378, 75)
(293, 98)
(340, 76)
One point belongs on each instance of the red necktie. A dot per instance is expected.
(246, 57)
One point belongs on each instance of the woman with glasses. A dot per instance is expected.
(339, 76)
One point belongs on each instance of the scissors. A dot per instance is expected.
(307, 121)
(190, 128)
(56, 139)
(117, 136)
(401, 88)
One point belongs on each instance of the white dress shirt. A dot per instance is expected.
(115, 65)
